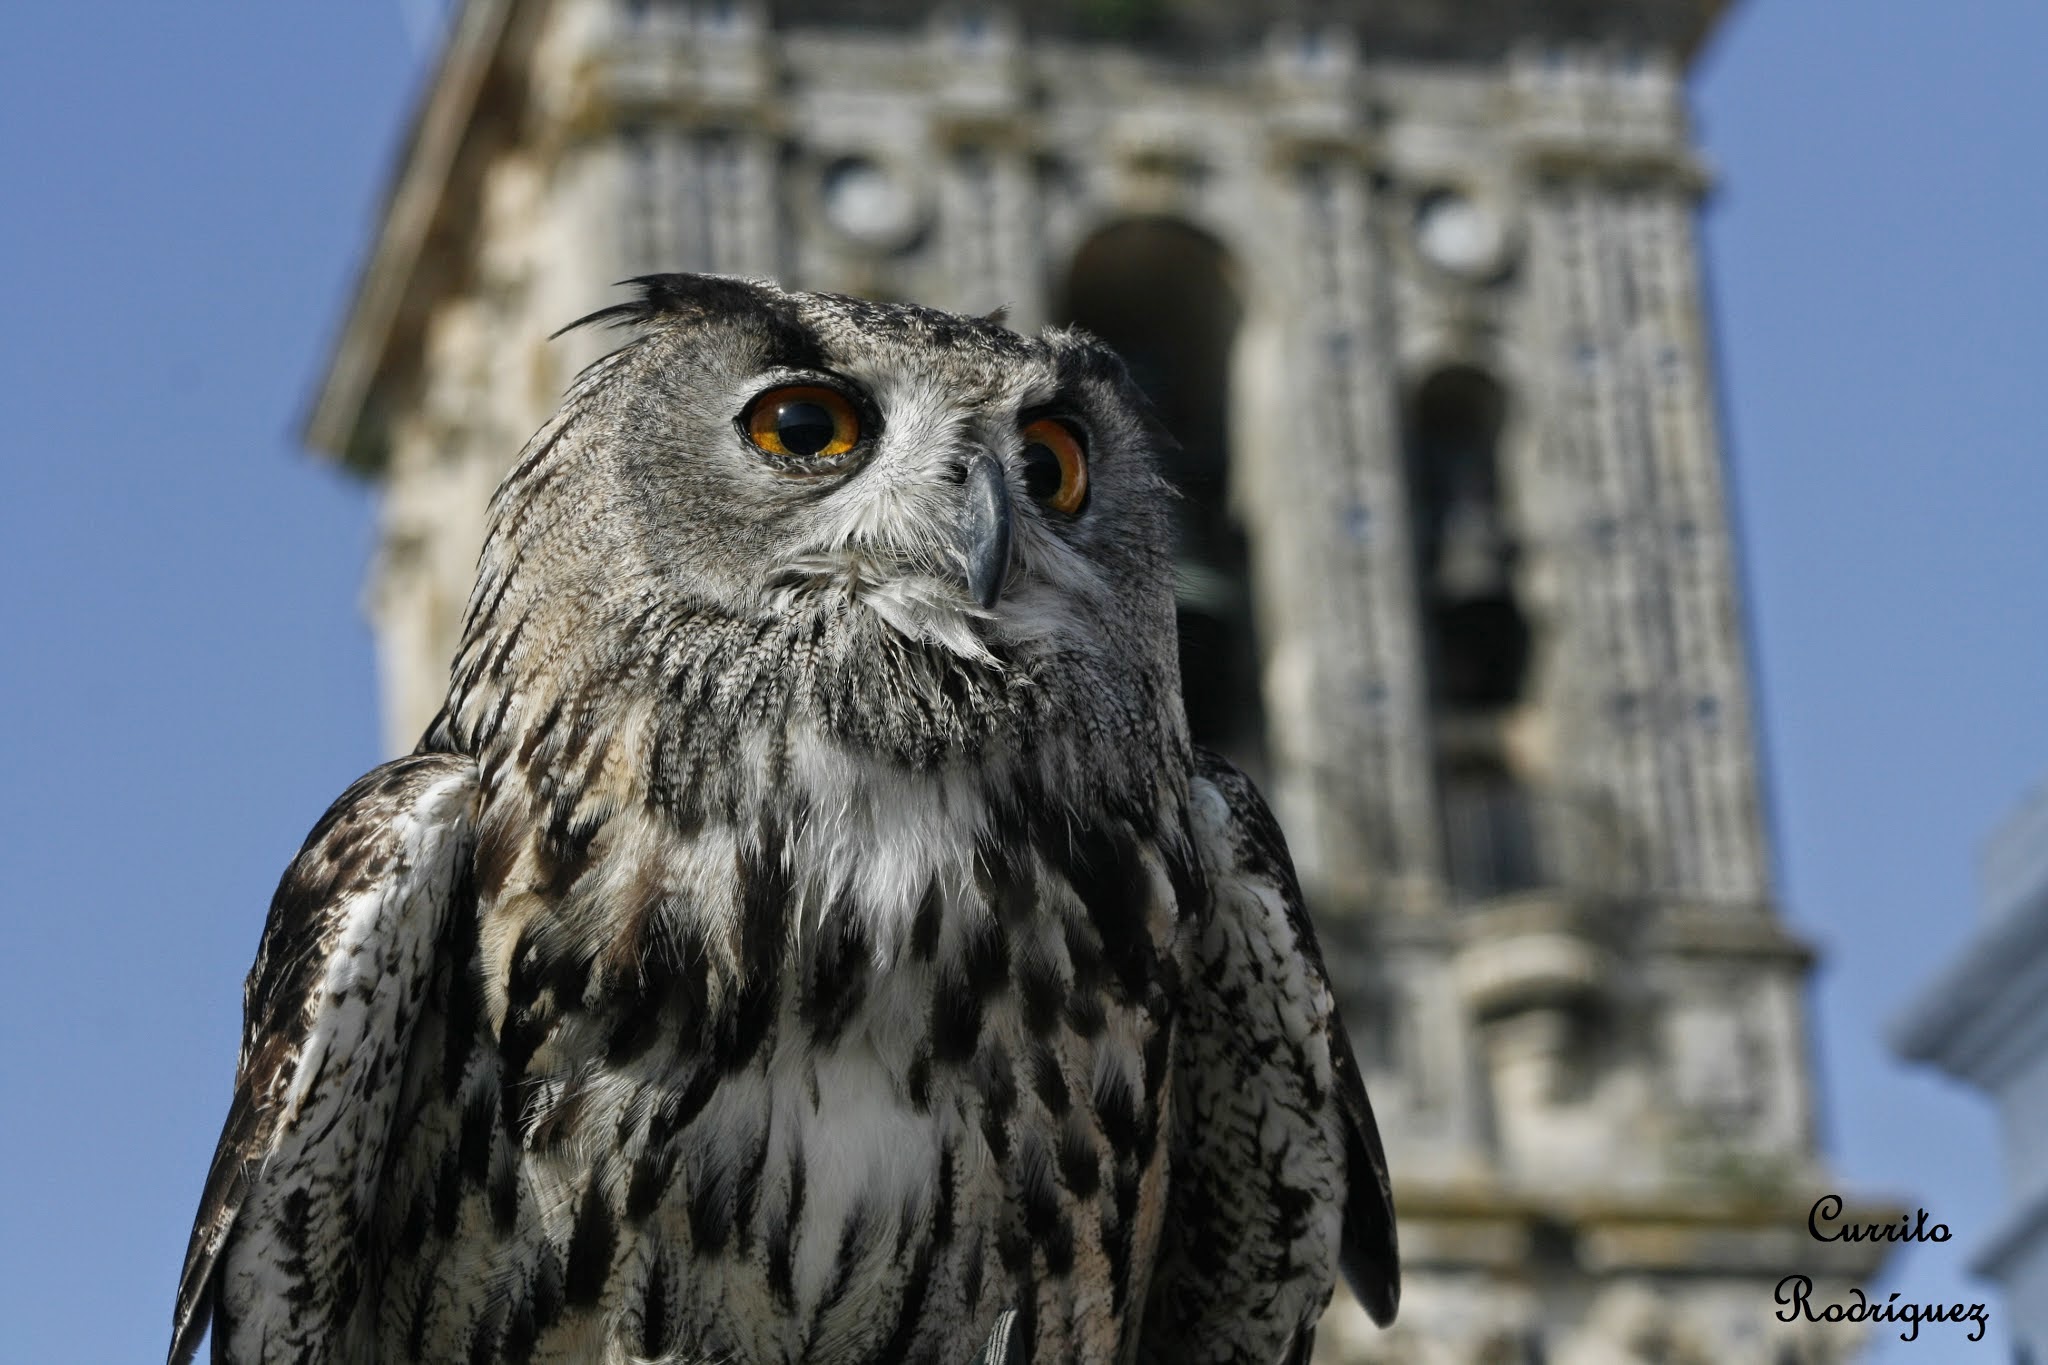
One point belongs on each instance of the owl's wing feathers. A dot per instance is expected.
(1275, 1139)
(347, 951)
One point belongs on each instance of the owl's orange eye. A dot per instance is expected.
(1055, 466)
(805, 422)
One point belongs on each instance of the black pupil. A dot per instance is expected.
(1042, 476)
(804, 428)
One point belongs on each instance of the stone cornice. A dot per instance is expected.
(414, 204)
(1673, 164)
(1680, 928)
(1482, 1225)
(1727, 931)
(1440, 30)
(1981, 1017)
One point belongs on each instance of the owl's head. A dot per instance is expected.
(947, 532)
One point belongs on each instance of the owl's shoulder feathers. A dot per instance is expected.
(1275, 1135)
(354, 928)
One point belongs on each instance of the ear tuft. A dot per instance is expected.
(678, 295)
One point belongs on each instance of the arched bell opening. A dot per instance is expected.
(1476, 638)
(1163, 294)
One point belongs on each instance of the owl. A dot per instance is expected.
(806, 934)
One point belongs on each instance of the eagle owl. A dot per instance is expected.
(806, 934)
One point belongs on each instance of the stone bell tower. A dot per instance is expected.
(1415, 284)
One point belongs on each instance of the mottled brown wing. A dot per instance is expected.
(1278, 1179)
(328, 1012)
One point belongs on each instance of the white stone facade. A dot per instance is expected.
(1547, 894)
(1984, 1020)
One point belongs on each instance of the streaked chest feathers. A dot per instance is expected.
(880, 1055)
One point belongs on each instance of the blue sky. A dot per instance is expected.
(188, 681)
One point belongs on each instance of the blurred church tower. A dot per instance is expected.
(1415, 283)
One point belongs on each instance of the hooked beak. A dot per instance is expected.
(985, 529)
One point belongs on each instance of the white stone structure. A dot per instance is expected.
(1984, 1020)
(1415, 284)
